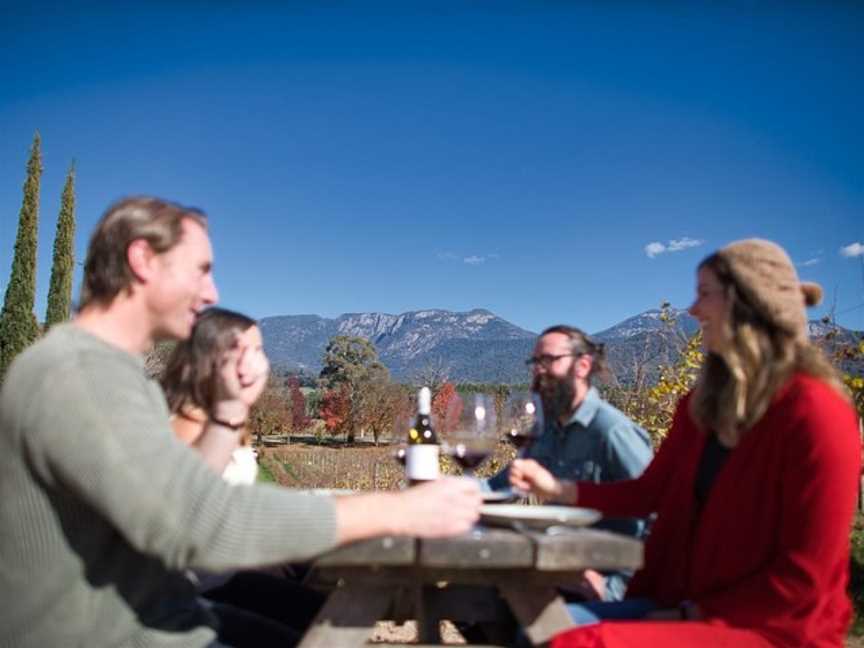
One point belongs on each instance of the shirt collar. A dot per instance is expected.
(587, 409)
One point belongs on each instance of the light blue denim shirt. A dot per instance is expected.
(599, 444)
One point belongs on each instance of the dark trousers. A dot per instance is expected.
(274, 600)
(239, 628)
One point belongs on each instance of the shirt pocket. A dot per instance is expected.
(585, 470)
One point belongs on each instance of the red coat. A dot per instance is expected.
(770, 551)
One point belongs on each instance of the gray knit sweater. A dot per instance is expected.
(101, 508)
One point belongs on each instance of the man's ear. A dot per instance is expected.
(140, 257)
(583, 366)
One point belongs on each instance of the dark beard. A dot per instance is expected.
(557, 396)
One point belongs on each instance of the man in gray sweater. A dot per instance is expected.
(102, 509)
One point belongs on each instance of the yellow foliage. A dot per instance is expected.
(674, 382)
(654, 406)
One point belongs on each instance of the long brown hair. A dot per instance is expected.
(188, 376)
(737, 384)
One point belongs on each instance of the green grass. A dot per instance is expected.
(289, 470)
(264, 474)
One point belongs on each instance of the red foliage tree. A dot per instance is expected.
(335, 409)
(446, 408)
(299, 420)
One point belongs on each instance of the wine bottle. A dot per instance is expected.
(421, 460)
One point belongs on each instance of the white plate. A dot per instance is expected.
(499, 496)
(537, 517)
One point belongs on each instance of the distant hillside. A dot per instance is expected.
(645, 341)
(476, 346)
(479, 346)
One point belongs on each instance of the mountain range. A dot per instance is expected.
(476, 346)
(473, 346)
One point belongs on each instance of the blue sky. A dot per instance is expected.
(515, 156)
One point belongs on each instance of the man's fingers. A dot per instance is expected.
(445, 507)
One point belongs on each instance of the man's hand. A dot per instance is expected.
(529, 476)
(440, 508)
(445, 507)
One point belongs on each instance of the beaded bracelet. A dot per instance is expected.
(231, 426)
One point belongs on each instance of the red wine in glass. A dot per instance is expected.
(522, 439)
(469, 458)
(525, 421)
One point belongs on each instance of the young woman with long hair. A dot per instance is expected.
(259, 608)
(188, 385)
(754, 487)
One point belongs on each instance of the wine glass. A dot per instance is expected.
(474, 437)
(523, 422)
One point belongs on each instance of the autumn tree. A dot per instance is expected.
(351, 366)
(446, 408)
(349, 360)
(847, 354)
(660, 400)
(18, 325)
(299, 419)
(335, 409)
(382, 402)
(271, 413)
(63, 264)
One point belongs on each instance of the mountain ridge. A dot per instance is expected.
(475, 345)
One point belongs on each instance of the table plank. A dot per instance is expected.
(486, 549)
(587, 548)
(397, 576)
(371, 553)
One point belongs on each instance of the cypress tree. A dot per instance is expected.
(18, 326)
(63, 265)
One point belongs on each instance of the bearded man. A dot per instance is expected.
(583, 436)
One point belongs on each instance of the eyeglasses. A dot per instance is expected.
(546, 360)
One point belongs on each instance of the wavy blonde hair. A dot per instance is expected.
(736, 385)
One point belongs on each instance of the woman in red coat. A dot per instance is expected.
(754, 488)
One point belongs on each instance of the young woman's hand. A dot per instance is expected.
(228, 402)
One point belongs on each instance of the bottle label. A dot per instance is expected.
(421, 462)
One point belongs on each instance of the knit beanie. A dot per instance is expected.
(767, 280)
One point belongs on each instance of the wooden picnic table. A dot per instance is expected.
(490, 577)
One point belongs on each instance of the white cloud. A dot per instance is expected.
(675, 245)
(808, 262)
(684, 243)
(852, 250)
(653, 249)
(473, 259)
